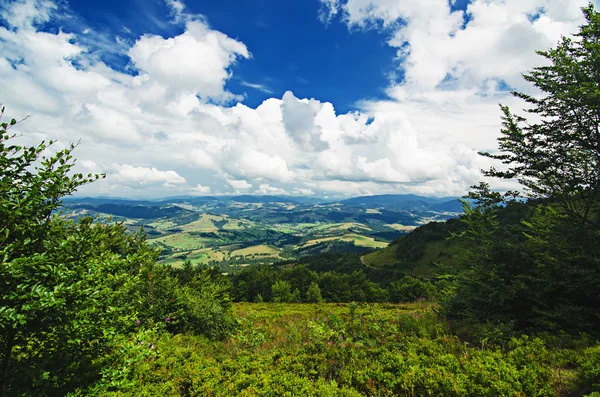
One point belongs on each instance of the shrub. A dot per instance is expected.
(313, 294)
(409, 289)
(589, 374)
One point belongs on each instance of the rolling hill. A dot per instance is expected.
(422, 252)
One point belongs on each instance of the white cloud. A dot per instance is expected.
(303, 191)
(200, 189)
(172, 117)
(253, 163)
(239, 184)
(196, 62)
(131, 175)
(494, 39)
(260, 87)
(177, 9)
(328, 10)
(266, 189)
(24, 13)
(89, 166)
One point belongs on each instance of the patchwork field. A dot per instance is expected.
(257, 250)
(204, 224)
(232, 233)
(362, 241)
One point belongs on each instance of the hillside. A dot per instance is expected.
(408, 202)
(429, 249)
(421, 252)
(236, 231)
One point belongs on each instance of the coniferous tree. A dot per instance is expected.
(559, 156)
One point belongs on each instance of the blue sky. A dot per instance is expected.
(291, 49)
(326, 98)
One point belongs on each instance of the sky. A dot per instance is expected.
(328, 98)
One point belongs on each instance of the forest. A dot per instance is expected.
(87, 310)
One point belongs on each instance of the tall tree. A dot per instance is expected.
(536, 265)
(62, 283)
(559, 156)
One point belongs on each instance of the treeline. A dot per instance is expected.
(300, 284)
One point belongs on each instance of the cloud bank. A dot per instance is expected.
(167, 125)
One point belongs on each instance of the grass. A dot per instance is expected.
(182, 241)
(203, 256)
(349, 225)
(263, 250)
(204, 224)
(350, 350)
(434, 252)
(162, 225)
(265, 313)
(237, 224)
(401, 228)
(361, 241)
(381, 258)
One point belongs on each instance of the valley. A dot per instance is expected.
(235, 232)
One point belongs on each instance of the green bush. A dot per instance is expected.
(313, 294)
(589, 374)
(409, 289)
(73, 293)
(335, 350)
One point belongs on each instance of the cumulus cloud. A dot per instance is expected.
(174, 116)
(253, 163)
(266, 189)
(443, 48)
(89, 166)
(196, 62)
(303, 191)
(239, 184)
(200, 189)
(23, 13)
(131, 175)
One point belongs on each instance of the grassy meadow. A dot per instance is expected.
(345, 350)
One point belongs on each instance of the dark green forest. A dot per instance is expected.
(508, 306)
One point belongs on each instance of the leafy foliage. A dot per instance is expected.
(71, 292)
(409, 289)
(589, 375)
(313, 293)
(338, 350)
(558, 157)
(526, 266)
(535, 266)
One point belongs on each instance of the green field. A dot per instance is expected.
(163, 225)
(187, 231)
(203, 256)
(262, 250)
(182, 241)
(344, 350)
(357, 239)
(204, 224)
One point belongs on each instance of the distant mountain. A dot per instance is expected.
(135, 211)
(107, 200)
(262, 199)
(196, 200)
(391, 202)
(447, 206)
(407, 202)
